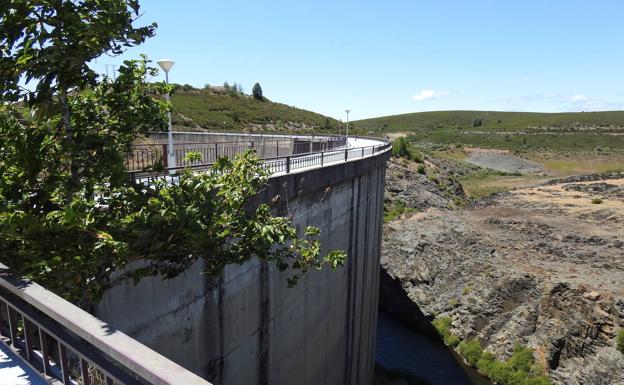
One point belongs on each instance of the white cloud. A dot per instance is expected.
(429, 94)
(579, 99)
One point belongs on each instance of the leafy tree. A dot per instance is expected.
(256, 91)
(70, 215)
(226, 85)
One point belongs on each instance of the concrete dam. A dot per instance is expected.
(246, 326)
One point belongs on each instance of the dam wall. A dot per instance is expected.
(246, 326)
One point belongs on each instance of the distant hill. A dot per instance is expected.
(218, 109)
(569, 132)
(486, 120)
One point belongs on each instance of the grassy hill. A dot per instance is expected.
(214, 109)
(519, 131)
(494, 120)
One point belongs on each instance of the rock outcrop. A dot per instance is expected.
(541, 266)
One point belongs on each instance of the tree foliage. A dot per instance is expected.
(256, 91)
(70, 216)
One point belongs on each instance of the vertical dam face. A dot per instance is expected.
(246, 326)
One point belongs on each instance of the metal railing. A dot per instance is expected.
(144, 157)
(279, 165)
(67, 345)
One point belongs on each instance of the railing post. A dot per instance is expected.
(216, 151)
(84, 371)
(346, 154)
(63, 363)
(165, 156)
(362, 152)
(322, 156)
(288, 165)
(12, 325)
(277, 148)
(45, 352)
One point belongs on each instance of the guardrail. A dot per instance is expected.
(147, 156)
(67, 345)
(276, 165)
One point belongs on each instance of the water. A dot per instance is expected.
(399, 347)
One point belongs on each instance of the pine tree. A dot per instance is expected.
(257, 92)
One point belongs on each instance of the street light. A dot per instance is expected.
(166, 65)
(347, 111)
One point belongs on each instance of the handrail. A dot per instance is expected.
(144, 156)
(120, 358)
(282, 164)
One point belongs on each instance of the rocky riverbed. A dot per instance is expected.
(541, 266)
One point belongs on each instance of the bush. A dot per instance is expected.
(443, 326)
(596, 201)
(620, 341)
(520, 369)
(486, 362)
(401, 148)
(421, 169)
(471, 350)
(521, 359)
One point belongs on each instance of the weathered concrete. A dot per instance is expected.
(246, 326)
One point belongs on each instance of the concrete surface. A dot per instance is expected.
(246, 326)
(14, 371)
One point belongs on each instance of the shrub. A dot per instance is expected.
(401, 148)
(521, 359)
(443, 326)
(596, 201)
(485, 363)
(620, 341)
(421, 169)
(471, 350)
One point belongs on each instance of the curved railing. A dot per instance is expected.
(212, 146)
(281, 154)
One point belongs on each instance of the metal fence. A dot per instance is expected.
(67, 346)
(278, 165)
(150, 156)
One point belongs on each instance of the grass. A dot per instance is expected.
(620, 341)
(515, 131)
(581, 165)
(209, 109)
(395, 209)
(479, 186)
(492, 120)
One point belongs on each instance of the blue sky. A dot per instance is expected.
(389, 57)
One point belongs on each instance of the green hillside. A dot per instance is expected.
(572, 132)
(531, 121)
(215, 109)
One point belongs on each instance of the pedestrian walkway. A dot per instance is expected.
(14, 371)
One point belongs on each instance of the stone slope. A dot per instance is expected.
(540, 266)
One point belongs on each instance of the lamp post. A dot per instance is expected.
(347, 142)
(166, 65)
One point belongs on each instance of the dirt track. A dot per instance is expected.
(503, 161)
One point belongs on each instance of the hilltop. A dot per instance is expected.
(220, 109)
(517, 131)
(496, 120)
